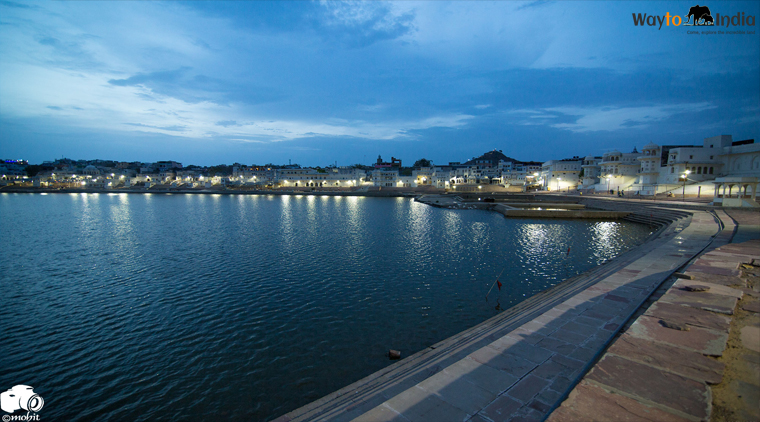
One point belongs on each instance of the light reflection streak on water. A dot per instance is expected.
(604, 240)
(419, 230)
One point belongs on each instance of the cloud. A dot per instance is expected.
(532, 4)
(175, 128)
(49, 41)
(295, 148)
(340, 73)
(360, 24)
(170, 83)
(17, 5)
(182, 84)
(153, 78)
(621, 118)
(372, 108)
(250, 141)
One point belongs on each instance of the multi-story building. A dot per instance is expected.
(737, 186)
(591, 171)
(619, 170)
(328, 178)
(649, 168)
(561, 174)
(703, 163)
(385, 177)
(442, 177)
(423, 176)
(12, 169)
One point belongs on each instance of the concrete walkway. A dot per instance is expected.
(659, 369)
(523, 372)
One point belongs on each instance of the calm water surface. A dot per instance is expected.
(180, 307)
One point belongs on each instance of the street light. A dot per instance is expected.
(608, 183)
(683, 191)
(558, 179)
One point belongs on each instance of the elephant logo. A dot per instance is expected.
(701, 15)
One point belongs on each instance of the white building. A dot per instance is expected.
(733, 167)
(703, 163)
(740, 177)
(649, 168)
(385, 177)
(591, 170)
(561, 174)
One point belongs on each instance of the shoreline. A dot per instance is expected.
(403, 388)
(380, 193)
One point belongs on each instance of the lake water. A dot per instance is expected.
(180, 307)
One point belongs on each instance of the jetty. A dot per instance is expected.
(523, 363)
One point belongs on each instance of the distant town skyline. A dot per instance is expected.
(316, 83)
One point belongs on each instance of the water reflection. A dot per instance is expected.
(272, 300)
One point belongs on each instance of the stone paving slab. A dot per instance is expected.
(484, 376)
(713, 288)
(702, 300)
(750, 337)
(420, 405)
(665, 357)
(682, 394)
(683, 314)
(704, 341)
(381, 414)
(752, 307)
(458, 392)
(725, 280)
(593, 404)
(650, 363)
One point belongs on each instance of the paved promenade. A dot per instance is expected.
(521, 366)
(659, 369)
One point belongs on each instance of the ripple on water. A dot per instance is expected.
(184, 307)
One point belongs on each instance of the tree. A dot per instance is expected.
(33, 169)
(423, 162)
(220, 170)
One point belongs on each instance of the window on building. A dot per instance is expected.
(699, 170)
(711, 157)
(711, 170)
(672, 169)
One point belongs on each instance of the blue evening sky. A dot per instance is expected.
(318, 82)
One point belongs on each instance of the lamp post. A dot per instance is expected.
(558, 179)
(683, 191)
(608, 183)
